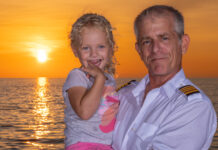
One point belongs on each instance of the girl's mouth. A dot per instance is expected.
(95, 62)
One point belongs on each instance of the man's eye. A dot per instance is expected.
(165, 38)
(146, 42)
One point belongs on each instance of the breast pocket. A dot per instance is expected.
(146, 131)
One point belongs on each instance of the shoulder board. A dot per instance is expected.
(189, 90)
(126, 84)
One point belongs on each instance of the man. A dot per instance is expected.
(165, 110)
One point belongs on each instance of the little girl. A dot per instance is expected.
(89, 91)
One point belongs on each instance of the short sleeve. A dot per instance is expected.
(76, 78)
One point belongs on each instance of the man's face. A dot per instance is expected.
(159, 46)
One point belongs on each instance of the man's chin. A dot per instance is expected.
(158, 72)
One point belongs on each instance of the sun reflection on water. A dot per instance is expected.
(42, 81)
(41, 111)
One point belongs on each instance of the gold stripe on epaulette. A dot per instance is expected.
(125, 85)
(188, 90)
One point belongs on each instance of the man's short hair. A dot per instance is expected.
(162, 10)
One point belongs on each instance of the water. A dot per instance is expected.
(32, 112)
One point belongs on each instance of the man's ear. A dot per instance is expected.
(185, 43)
(137, 47)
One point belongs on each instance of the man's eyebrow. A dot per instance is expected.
(144, 38)
(163, 34)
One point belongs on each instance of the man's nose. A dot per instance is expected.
(155, 46)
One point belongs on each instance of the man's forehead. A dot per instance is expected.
(147, 36)
(162, 14)
(155, 17)
(152, 22)
(150, 33)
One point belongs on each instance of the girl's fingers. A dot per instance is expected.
(92, 70)
(92, 66)
(114, 107)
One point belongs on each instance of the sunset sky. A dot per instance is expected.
(31, 30)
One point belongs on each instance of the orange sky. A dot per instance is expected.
(27, 26)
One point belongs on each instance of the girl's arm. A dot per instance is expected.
(86, 102)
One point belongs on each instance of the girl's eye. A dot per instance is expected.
(85, 48)
(101, 46)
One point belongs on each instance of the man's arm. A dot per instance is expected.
(190, 128)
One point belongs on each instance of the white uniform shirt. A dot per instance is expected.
(167, 120)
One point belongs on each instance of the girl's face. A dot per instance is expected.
(94, 47)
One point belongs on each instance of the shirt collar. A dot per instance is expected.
(140, 86)
(173, 84)
(169, 87)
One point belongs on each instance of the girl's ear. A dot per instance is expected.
(185, 43)
(112, 52)
(75, 52)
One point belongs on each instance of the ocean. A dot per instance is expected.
(32, 112)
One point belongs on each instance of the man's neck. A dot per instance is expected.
(156, 82)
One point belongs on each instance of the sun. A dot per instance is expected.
(41, 56)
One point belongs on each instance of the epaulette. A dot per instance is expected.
(126, 84)
(189, 90)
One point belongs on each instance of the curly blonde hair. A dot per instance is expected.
(94, 20)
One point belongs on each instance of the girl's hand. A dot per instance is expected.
(115, 108)
(94, 71)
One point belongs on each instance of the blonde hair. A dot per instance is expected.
(94, 20)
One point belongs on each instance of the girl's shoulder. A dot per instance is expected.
(110, 80)
(76, 71)
(77, 77)
(109, 76)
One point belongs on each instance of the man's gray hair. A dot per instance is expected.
(161, 10)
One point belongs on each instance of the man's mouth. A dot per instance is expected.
(157, 58)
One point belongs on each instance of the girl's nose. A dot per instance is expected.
(93, 53)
